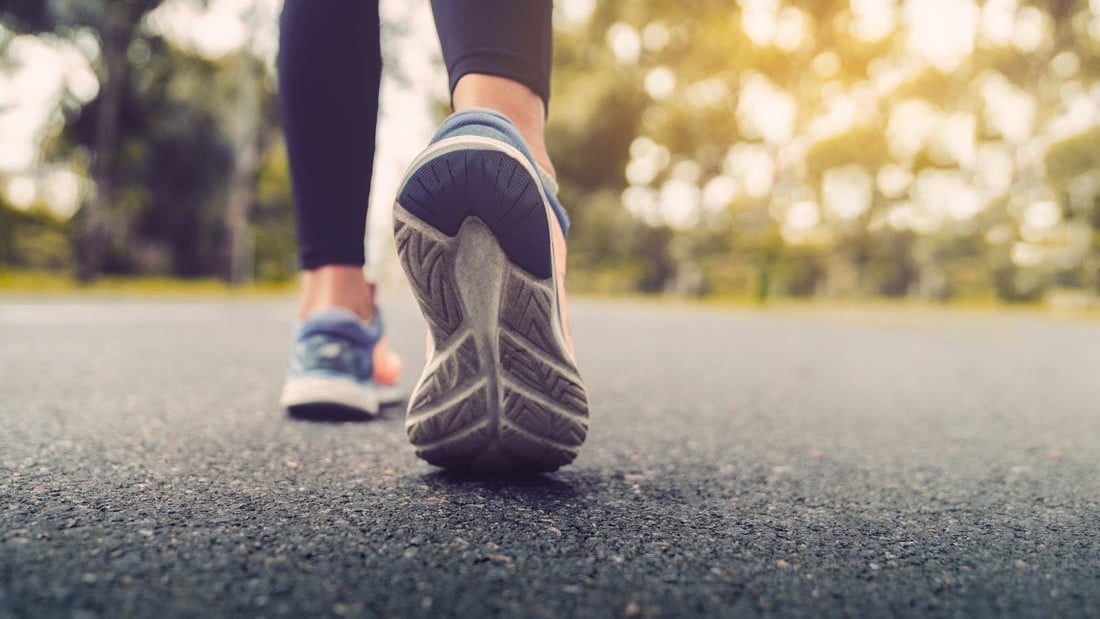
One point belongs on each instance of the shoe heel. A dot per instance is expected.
(500, 392)
(446, 189)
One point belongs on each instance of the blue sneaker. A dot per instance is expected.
(334, 367)
(481, 237)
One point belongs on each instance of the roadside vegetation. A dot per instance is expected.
(846, 151)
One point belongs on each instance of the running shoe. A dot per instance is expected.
(481, 237)
(340, 367)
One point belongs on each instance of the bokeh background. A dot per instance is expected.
(941, 150)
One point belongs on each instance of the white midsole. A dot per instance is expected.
(302, 390)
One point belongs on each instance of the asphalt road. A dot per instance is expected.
(790, 463)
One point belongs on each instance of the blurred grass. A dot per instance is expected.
(856, 309)
(47, 283)
(51, 282)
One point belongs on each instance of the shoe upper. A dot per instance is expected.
(334, 342)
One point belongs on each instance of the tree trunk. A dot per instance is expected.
(92, 234)
(249, 150)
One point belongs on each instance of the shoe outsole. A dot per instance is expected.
(320, 397)
(322, 407)
(501, 392)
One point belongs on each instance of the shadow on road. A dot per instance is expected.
(335, 414)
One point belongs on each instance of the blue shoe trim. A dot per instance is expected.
(334, 342)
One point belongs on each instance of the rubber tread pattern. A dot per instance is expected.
(433, 277)
(529, 410)
(451, 376)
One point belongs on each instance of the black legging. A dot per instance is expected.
(330, 66)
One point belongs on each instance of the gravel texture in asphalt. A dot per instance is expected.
(787, 463)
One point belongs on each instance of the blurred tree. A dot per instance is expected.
(172, 165)
(175, 142)
(32, 239)
(116, 25)
(272, 219)
(847, 149)
(704, 147)
(1073, 167)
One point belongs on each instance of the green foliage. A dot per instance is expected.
(863, 146)
(32, 239)
(172, 163)
(166, 171)
(29, 16)
(747, 249)
(1073, 165)
(1074, 156)
(890, 269)
(275, 249)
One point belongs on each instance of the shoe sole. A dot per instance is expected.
(320, 397)
(501, 392)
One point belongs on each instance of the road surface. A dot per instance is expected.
(782, 463)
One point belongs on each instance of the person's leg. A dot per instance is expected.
(330, 66)
(518, 102)
(480, 234)
(499, 55)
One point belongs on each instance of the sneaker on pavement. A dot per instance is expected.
(340, 367)
(481, 237)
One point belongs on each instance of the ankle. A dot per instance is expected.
(335, 285)
(519, 103)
